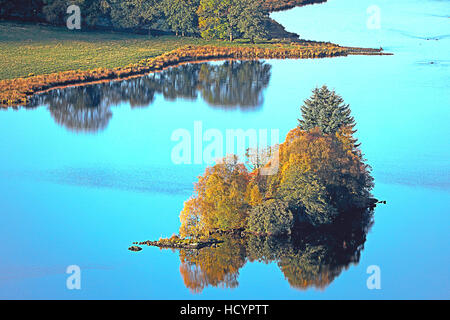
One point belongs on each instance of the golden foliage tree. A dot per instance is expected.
(323, 174)
(220, 200)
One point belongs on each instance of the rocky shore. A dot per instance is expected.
(176, 243)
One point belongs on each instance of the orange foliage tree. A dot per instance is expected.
(221, 200)
(322, 175)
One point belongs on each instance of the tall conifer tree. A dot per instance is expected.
(326, 110)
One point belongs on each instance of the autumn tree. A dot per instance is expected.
(192, 224)
(322, 176)
(220, 200)
(254, 196)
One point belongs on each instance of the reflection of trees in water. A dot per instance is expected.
(230, 85)
(69, 109)
(179, 82)
(312, 258)
(235, 84)
(317, 260)
(218, 267)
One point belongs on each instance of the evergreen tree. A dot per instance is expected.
(25, 10)
(55, 11)
(252, 19)
(327, 111)
(132, 13)
(225, 19)
(181, 15)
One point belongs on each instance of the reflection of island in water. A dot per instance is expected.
(311, 259)
(229, 85)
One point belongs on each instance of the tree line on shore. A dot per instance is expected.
(210, 19)
(322, 178)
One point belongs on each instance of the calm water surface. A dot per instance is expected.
(86, 171)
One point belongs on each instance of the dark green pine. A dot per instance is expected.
(325, 109)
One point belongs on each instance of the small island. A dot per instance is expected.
(316, 179)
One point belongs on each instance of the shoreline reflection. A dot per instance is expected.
(230, 85)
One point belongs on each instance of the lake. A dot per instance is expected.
(86, 171)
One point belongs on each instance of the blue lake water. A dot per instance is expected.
(79, 185)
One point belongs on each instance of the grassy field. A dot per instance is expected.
(38, 49)
(26, 48)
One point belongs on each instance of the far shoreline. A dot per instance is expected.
(17, 92)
